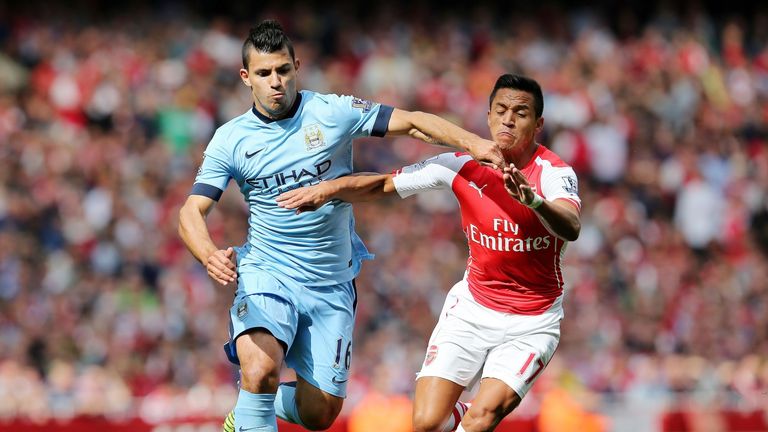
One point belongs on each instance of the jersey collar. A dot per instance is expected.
(290, 114)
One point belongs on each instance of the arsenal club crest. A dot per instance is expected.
(431, 355)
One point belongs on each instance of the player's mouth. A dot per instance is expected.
(505, 135)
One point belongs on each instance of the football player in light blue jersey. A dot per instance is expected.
(295, 298)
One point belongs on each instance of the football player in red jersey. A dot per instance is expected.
(501, 322)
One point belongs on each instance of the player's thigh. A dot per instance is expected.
(520, 361)
(433, 402)
(261, 302)
(322, 351)
(461, 339)
(263, 322)
(261, 356)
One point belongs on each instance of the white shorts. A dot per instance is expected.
(470, 338)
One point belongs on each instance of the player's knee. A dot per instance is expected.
(259, 377)
(427, 421)
(427, 426)
(320, 415)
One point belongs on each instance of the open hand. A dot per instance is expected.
(517, 185)
(222, 266)
(308, 198)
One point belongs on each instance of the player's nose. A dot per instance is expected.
(274, 80)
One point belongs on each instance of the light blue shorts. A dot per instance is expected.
(314, 323)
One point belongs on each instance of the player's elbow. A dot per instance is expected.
(183, 218)
(415, 119)
(572, 231)
(186, 213)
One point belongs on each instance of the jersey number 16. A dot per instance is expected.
(347, 356)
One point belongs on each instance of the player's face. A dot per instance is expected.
(272, 79)
(512, 119)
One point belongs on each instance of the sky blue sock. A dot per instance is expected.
(255, 412)
(285, 404)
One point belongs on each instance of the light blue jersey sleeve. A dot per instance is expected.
(362, 117)
(216, 169)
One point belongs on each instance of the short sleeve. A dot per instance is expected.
(434, 173)
(560, 183)
(216, 169)
(365, 118)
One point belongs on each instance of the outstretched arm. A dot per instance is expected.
(220, 263)
(561, 216)
(436, 130)
(353, 188)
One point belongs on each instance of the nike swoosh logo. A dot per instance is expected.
(250, 155)
(242, 429)
(335, 381)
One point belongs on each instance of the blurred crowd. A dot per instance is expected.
(103, 123)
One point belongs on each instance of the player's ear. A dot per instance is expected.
(296, 64)
(244, 77)
(488, 114)
(539, 124)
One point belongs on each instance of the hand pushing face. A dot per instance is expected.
(512, 120)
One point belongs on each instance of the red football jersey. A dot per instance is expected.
(514, 259)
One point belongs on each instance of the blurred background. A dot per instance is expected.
(108, 323)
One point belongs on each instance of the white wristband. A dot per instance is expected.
(536, 202)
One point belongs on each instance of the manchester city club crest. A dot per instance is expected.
(313, 137)
(242, 309)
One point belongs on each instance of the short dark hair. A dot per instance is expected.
(522, 83)
(268, 36)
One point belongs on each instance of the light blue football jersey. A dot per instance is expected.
(268, 157)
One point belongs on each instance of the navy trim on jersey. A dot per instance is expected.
(290, 114)
(230, 348)
(381, 125)
(206, 190)
(354, 302)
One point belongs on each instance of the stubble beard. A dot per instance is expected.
(277, 112)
